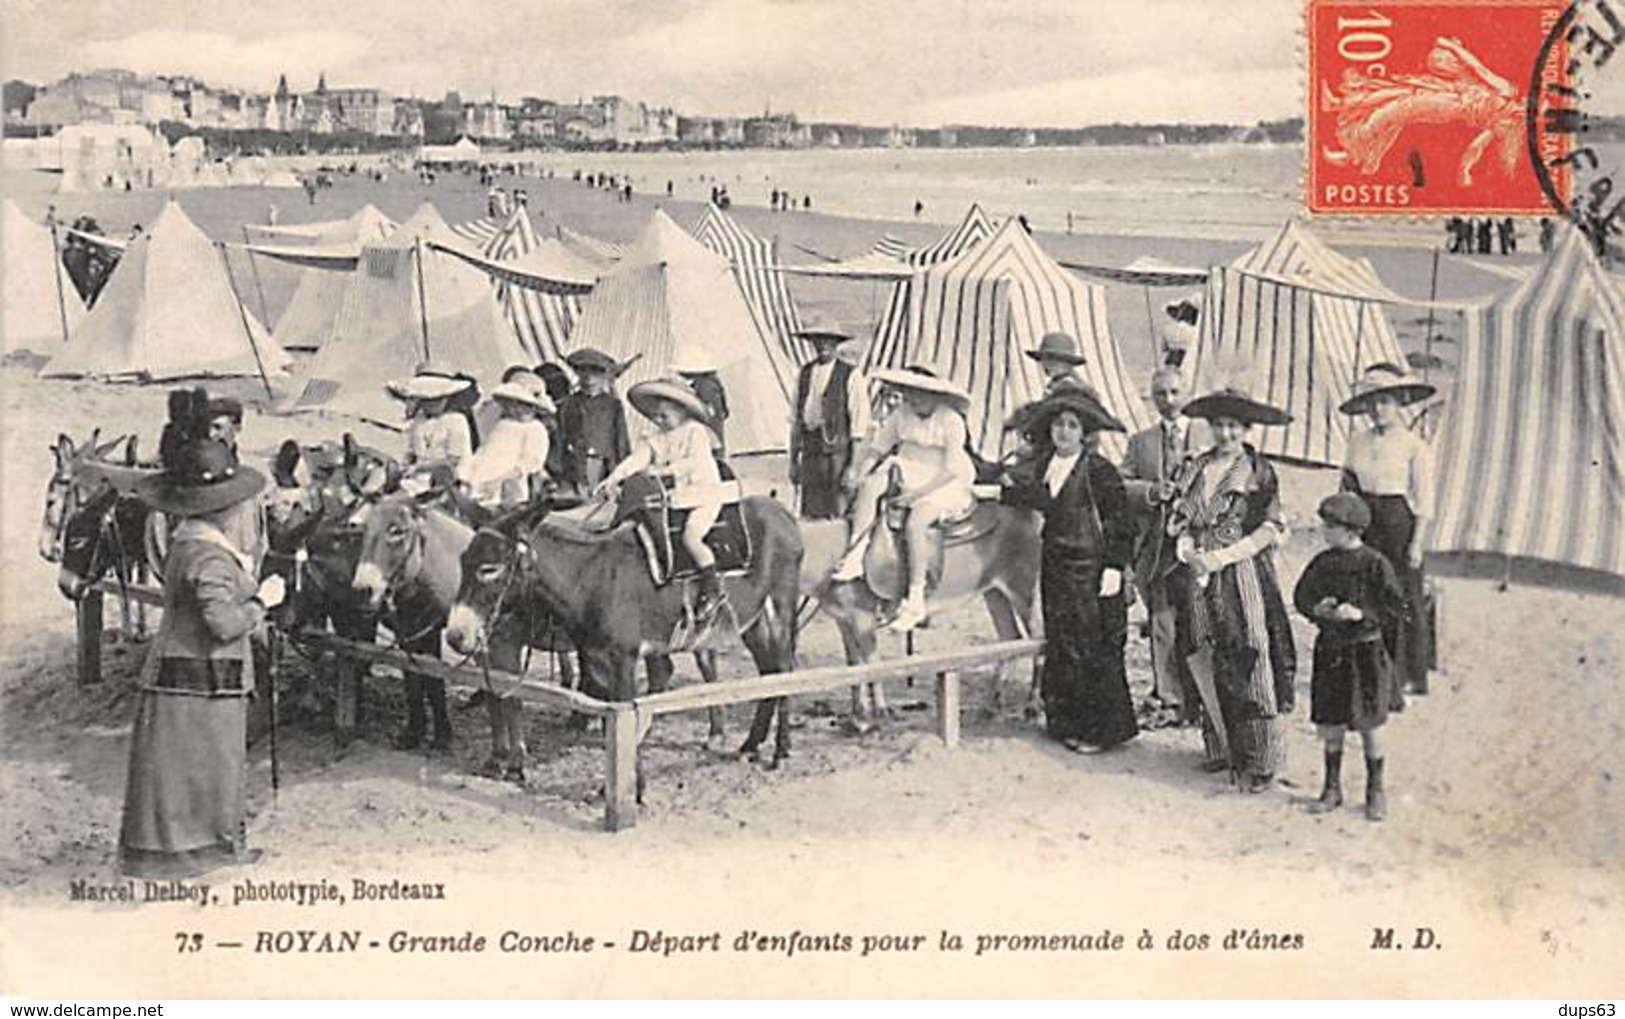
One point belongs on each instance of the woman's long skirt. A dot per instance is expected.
(184, 798)
(1410, 637)
(1239, 621)
(1084, 683)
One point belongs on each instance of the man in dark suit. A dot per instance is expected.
(831, 418)
(1150, 466)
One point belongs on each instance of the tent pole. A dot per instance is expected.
(242, 316)
(1433, 295)
(1150, 318)
(423, 300)
(253, 267)
(1359, 341)
(57, 271)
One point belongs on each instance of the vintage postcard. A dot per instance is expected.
(749, 498)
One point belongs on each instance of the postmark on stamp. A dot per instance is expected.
(1424, 107)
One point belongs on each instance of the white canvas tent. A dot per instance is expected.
(41, 306)
(96, 157)
(309, 318)
(1531, 451)
(464, 150)
(406, 305)
(169, 311)
(973, 318)
(1305, 321)
(670, 293)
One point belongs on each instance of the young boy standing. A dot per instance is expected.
(1349, 591)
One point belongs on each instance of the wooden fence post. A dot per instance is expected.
(621, 772)
(88, 619)
(948, 707)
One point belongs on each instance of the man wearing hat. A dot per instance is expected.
(831, 418)
(1152, 462)
(1058, 356)
(1390, 467)
(511, 468)
(592, 420)
(184, 800)
(697, 368)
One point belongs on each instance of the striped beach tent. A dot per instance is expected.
(307, 321)
(406, 304)
(591, 248)
(670, 294)
(541, 321)
(766, 295)
(892, 331)
(1304, 322)
(972, 319)
(1531, 454)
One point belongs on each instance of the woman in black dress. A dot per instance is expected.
(1087, 538)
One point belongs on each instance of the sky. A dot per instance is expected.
(913, 62)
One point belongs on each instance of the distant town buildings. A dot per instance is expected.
(120, 97)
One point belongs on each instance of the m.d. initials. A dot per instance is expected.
(1383, 938)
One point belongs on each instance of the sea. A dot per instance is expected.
(1215, 192)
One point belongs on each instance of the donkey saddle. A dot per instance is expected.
(658, 524)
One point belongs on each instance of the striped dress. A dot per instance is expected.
(1238, 616)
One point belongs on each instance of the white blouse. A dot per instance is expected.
(1396, 461)
(434, 439)
(498, 472)
(1059, 469)
(935, 442)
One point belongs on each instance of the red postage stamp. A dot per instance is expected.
(1423, 107)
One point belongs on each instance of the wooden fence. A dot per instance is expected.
(626, 722)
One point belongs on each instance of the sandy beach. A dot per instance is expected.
(1507, 832)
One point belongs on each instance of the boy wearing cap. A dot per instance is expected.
(592, 420)
(680, 451)
(1349, 591)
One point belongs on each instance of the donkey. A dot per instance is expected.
(89, 474)
(1000, 565)
(410, 556)
(598, 588)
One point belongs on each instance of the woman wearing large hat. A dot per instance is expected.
(1087, 540)
(1391, 468)
(926, 439)
(1233, 627)
(184, 799)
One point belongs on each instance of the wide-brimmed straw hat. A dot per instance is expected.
(1036, 418)
(923, 380)
(1058, 347)
(823, 329)
(1236, 405)
(426, 386)
(529, 393)
(691, 361)
(591, 359)
(1386, 380)
(204, 477)
(645, 396)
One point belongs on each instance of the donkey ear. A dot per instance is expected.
(132, 455)
(349, 450)
(104, 451)
(64, 448)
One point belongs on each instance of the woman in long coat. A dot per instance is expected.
(184, 799)
(1087, 540)
(1390, 467)
(1233, 627)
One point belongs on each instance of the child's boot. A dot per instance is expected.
(1331, 794)
(1376, 799)
(710, 596)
